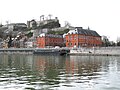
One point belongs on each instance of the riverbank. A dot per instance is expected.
(56, 51)
(16, 50)
(96, 51)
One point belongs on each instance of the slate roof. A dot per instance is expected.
(51, 35)
(87, 32)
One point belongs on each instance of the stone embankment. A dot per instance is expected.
(16, 50)
(103, 51)
(98, 51)
(113, 51)
(33, 50)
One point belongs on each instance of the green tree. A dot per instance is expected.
(1, 25)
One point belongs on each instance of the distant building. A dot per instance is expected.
(46, 21)
(32, 24)
(14, 28)
(49, 40)
(118, 39)
(80, 37)
(17, 26)
(31, 42)
(105, 41)
(37, 32)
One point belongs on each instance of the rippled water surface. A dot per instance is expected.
(35, 72)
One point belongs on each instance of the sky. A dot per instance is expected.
(102, 16)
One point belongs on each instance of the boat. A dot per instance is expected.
(50, 51)
(80, 51)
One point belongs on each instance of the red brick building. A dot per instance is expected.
(80, 37)
(49, 40)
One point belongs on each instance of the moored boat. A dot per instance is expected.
(79, 52)
(50, 51)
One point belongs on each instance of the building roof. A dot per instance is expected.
(50, 35)
(80, 30)
(18, 24)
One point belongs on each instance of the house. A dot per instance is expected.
(80, 37)
(17, 26)
(49, 40)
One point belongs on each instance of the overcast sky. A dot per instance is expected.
(102, 16)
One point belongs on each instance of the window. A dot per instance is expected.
(68, 44)
(75, 37)
(70, 37)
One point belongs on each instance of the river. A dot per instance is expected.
(45, 72)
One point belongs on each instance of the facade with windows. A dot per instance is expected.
(49, 40)
(80, 37)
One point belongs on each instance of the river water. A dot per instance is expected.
(35, 72)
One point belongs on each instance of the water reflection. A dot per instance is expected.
(36, 72)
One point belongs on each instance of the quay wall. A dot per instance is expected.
(94, 51)
(107, 50)
(99, 51)
(26, 50)
(16, 50)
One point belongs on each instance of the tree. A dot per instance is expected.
(58, 32)
(10, 41)
(1, 25)
(118, 43)
(30, 34)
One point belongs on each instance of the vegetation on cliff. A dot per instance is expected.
(58, 32)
